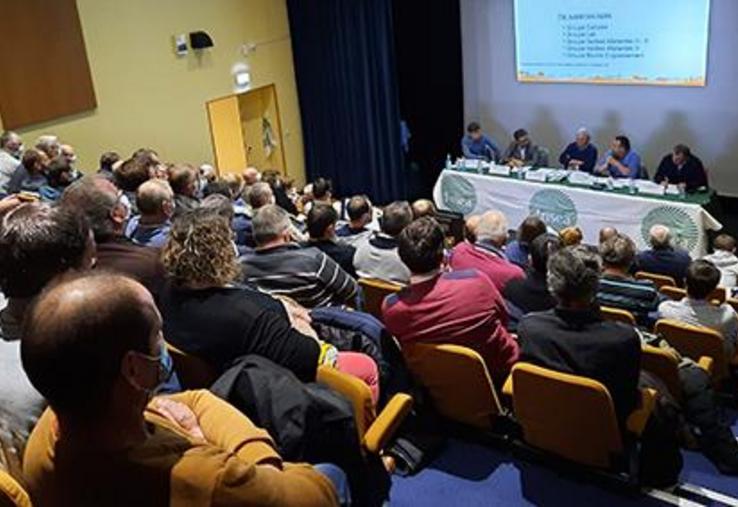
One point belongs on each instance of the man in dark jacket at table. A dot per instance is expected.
(680, 167)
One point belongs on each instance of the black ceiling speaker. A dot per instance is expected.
(200, 40)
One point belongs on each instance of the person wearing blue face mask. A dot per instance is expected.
(93, 347)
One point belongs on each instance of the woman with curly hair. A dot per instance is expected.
(207, 314)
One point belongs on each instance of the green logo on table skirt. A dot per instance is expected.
(458, 194)
(684, 231)
(554, 207)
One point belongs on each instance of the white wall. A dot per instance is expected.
(655, 118)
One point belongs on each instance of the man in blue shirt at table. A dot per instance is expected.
(581, 155)
(682, 168)
(620, 161)
(476, 145)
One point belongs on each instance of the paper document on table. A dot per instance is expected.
(580, 178)
(499, 170)
(672, 190)
(538, 175)
(649, 187)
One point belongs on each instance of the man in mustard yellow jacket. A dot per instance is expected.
(92, 348)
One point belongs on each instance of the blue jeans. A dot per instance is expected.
(338, 478)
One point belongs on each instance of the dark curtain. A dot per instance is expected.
(347, 86)
(429, 70)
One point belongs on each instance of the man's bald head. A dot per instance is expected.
(470, 227)
(423, 208)
(251, 175)
(154, 198)
(77, 334)
(659, 236)
(492, 227)
(607, 233)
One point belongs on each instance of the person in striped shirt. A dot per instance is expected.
(279, 266)
(618, 289)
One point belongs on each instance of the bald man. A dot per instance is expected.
(663, 258)
(423, 208)
(103, 443)
(155, 201)
(487, 253)
(607, 233)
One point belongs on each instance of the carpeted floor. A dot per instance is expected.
(472, 475)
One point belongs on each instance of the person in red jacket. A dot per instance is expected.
(460, 307)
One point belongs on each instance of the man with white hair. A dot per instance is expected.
(155, 201)
(49, 144)
(581, 155)
(487, 254)
(10, 155)
(663, 258)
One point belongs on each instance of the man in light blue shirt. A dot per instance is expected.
(620, 161)
(476, 145)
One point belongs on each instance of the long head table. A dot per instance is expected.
(562, 204)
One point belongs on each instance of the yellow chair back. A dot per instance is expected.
(717, 296)
(374, 293)
(695, 342)
(457, 380)
(567, 415)
(12, 494)
(193, 372)
(617, 315)
(658, 280)
(665, 365)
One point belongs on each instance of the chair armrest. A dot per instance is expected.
(707, 364)
(637, 420)
(385, 425)
(507, 388)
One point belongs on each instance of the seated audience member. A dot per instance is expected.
(663, 258)
(280, 267)
(183, 179)
(377, 257)
(59, 175)
(49, 144)
(205, 175)
(99, 200)
(682, 168)
(695, 309)
(607, 233)
(470, 228)
(102, 436)
(107, 161)
(486, 253)
(618, 289)
(724, 258)
(68, 155)
(130, 175)
(620, 161)
(360, 213)
(260, 195)
(279, 189)
(155, 201)
(518, 250)
(571, 236)
(423, 208)
(37, 243)
(251, 175)
(574, 338)
(236, 185)
(11, 151)
(321, 225)
(531, 294)
(321, 192)
(460, 307)
(207, 314)
(476, 145)
(581, 155)
(29, 176)
(523, 153)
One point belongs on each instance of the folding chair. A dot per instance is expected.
(374, 293)
(573, 417)
(375, 430)
(658, 280)
(457, 381)
(665, 365)
(12, 493)
(696, 342)
(618, 315)
(193, 372)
